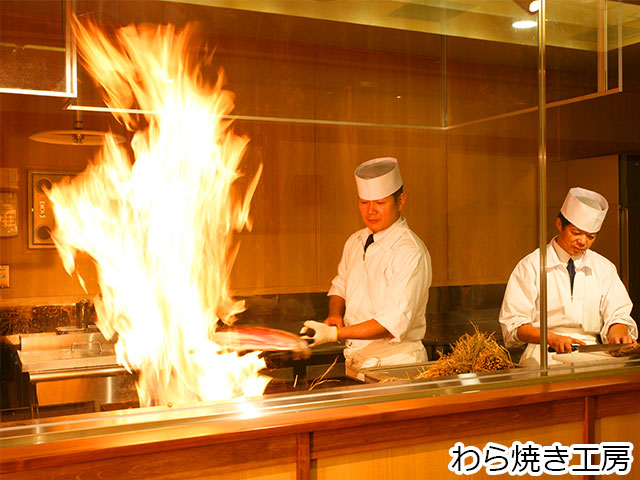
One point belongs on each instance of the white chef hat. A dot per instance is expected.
(585, 209)
(378, 178)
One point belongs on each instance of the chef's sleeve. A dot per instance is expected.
(519, 303)
(339, 281)
(409, 279)
(615, 307)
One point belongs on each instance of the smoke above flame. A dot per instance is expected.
(159, 227)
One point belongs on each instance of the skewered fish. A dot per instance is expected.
(262, 339)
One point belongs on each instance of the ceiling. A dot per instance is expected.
(570, 23)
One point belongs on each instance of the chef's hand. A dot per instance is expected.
(335, 321)
(560, 343)
(624, 339)
(618, 333)
(323, 333)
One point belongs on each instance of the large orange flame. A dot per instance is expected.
(160, 228)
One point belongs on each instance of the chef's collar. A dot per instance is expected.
(377, 237)
(564, 256)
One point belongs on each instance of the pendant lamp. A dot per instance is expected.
(76, 137)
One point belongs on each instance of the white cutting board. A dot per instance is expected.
(584, 357)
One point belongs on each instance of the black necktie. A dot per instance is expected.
(368, 242)
(572, 272)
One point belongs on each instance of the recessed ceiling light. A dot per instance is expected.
(534, 6)
(524, 24)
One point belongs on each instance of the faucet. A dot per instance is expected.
(82, 312)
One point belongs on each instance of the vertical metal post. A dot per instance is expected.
(71, 58)
(542, 181)
(619, 46)
(603, 47)
(444, 92)
(444, 80)
(624, 219)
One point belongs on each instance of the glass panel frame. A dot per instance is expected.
(69, 68)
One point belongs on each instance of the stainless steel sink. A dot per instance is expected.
(48, 351)
(50, 341)
(79, 365)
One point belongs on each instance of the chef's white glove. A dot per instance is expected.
(323, 333)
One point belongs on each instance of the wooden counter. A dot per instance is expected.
(390, 439)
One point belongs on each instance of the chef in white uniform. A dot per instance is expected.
(378, 299)
(585, 296)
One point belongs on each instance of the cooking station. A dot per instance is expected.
(74, 367)
(315, 413)
(80, 368)
(74, 370)
(302, 432)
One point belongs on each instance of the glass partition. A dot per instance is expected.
(432, 63)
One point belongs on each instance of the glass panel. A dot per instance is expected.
(310, 69)
(34, 50)
(582, 48)
(491, 67)
(418, 79)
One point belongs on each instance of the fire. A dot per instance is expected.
(159, 227)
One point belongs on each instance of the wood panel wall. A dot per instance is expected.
(471, 189)
(38, 273)
(491, 198)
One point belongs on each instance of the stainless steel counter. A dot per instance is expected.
(416, 371)
(103, 423)
(72, 368)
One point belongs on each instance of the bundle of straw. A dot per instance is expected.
(471, 354)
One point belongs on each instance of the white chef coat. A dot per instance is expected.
(598, 301)
(389, 283)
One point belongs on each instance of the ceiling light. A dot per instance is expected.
(524, 24)
(528, 5)
(77, 137)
